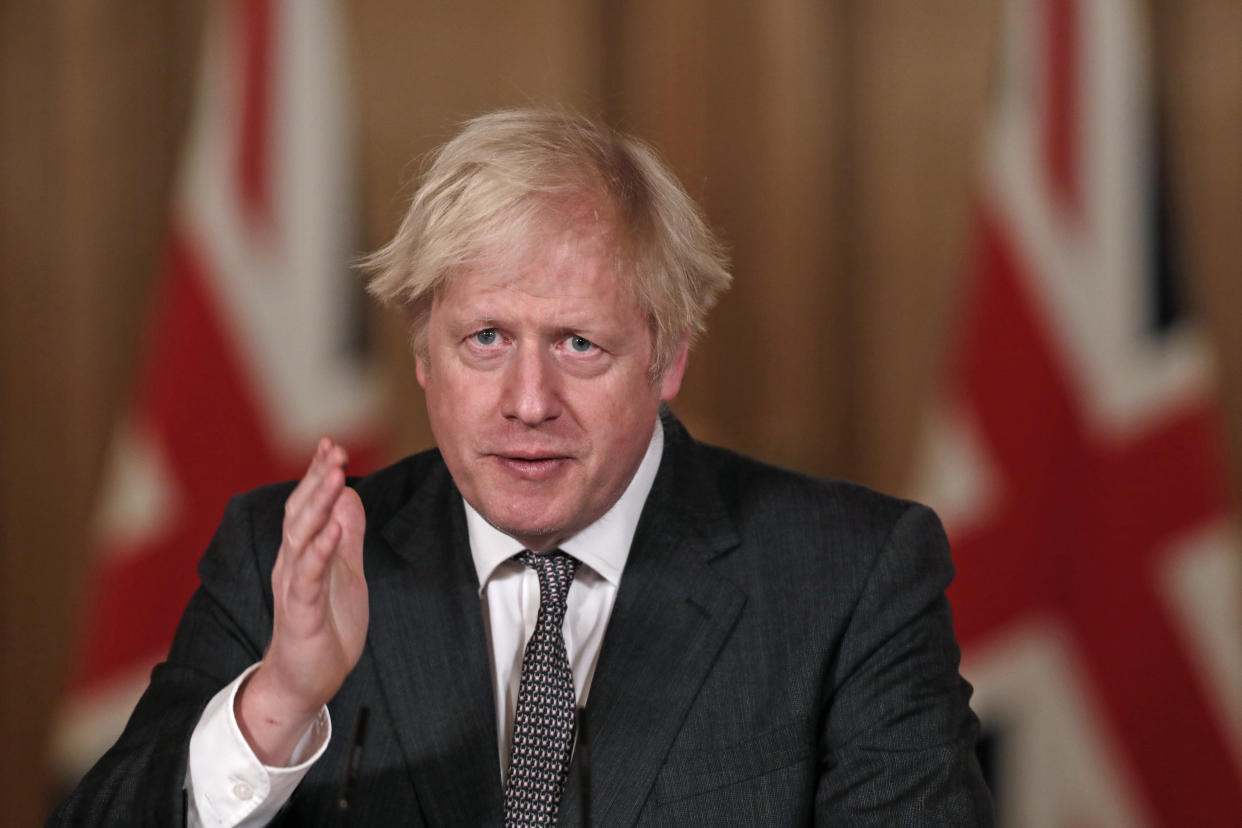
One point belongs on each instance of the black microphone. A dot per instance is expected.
(353, 761)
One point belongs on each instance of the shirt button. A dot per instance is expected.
(243, 791)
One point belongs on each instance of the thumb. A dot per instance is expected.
(348, 512)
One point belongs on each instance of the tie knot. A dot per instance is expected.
(556, 572)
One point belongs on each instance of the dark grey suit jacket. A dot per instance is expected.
(780, 653)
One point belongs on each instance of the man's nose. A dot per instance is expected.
(532, 386)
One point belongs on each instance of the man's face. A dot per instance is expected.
(537, 386)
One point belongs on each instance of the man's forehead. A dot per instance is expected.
(580, 259)
(546, 234)
(569, 290)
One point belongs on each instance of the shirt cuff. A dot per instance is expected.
(227, 784)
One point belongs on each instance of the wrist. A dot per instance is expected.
(271, 719)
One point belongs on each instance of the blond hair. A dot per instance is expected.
(488, 189)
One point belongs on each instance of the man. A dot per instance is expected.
(571, 610)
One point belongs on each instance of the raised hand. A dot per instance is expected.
(320, 610)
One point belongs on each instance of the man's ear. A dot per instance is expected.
(670, 383)
(420, 371)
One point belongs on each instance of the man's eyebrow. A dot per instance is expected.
(474, 319)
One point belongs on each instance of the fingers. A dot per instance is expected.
(309, 507)
(309, 569)
(327, 456)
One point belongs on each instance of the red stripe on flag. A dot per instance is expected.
(1061, 127)
(258, 45)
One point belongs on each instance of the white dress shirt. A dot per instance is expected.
(228, 786)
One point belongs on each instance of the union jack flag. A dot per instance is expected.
(253, 350)
(1077, 457)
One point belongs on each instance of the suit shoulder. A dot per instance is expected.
(759, 494)
(830, 536)
(747, 479)
(386, 490)
(382, 491)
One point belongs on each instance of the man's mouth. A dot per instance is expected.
(533, 467)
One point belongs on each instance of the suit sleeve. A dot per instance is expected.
(225, 629)
(899, 732)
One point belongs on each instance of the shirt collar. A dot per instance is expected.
(603, 546)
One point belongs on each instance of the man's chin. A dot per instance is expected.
(538, 539)
(535, 532)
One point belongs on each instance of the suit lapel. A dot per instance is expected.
(430, 656)
(672, 616)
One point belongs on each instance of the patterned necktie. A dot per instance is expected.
(543, 723)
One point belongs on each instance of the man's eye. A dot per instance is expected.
(580, 344)
(487, 336)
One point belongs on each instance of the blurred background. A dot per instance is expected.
(986, 254)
